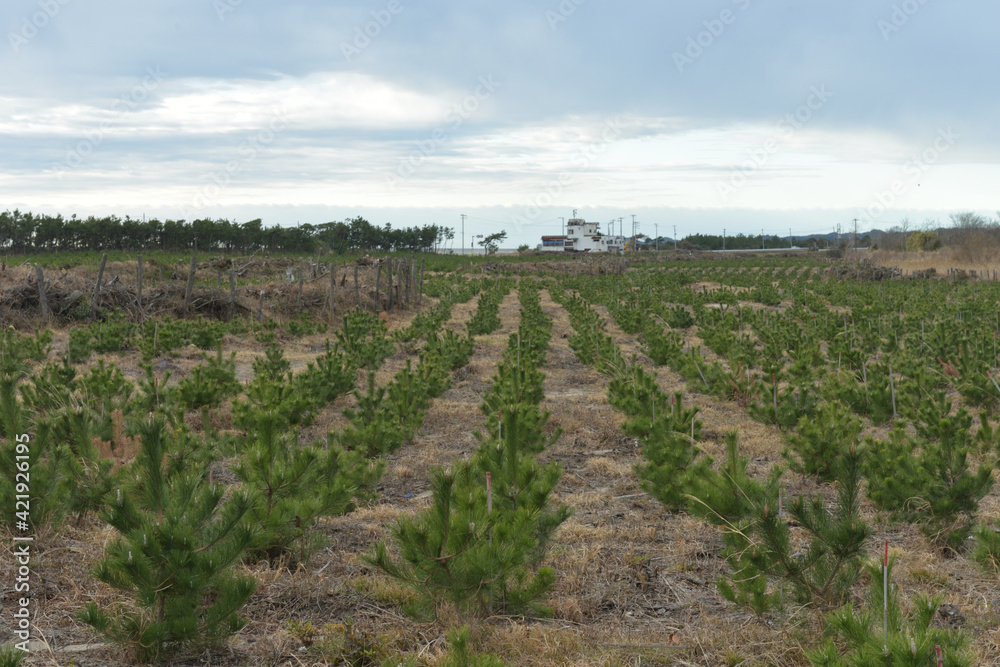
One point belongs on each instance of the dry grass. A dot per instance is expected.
(983, 262)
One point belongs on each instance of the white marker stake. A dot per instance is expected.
(774, 381)
(489, 499)
(993, 380)
(892, 388)
(692, 439)
(885, 599)
(781, 584)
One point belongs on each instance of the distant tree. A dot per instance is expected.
(492, 242)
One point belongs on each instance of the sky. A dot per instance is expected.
(781, 116)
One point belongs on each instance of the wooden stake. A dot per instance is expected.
(409, 280)
(232, 292)
(138, 281)
(298, 301)
(190, 284)
(391, 299)
(43, 302)
(420, 293)
(333, 282)
(97, 286)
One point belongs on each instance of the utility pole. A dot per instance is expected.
(675, 238)
(723, 240)
(656, 226)
(791, 240)
(619, 226)
(463, 234)
(855, 243)
(563, 228)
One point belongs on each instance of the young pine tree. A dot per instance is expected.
(822, 574)
(480, 553)
(456, 552)
(821, 440)
(856, 637)
(929, 479)
(176, 546)
(672, 464)
(293, 486)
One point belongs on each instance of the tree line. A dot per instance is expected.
(23, 233)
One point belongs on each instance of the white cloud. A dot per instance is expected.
(191, 107)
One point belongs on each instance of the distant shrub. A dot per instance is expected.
(921, 241)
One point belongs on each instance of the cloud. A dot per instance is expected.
(348, 122)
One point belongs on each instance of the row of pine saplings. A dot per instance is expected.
(102, 445)
(771, 568)
(479, 547)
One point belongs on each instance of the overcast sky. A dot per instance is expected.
(738, 114)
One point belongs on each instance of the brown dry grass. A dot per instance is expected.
(983, 263)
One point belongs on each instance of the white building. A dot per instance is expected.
(583, 236)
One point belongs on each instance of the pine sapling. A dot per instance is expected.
(177, 543)
(456, 553)
(293, 486)
(929, 480)
(819, 441)
(672, 465)
(856, 637)
(760, 548)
